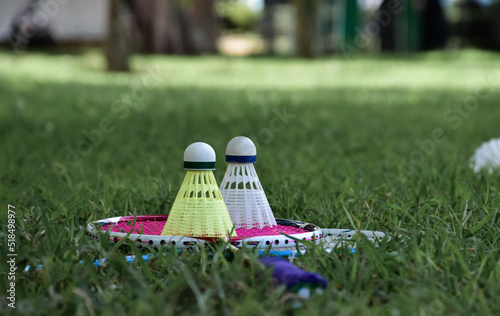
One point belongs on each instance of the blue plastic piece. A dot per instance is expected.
(291, 276)
(241, 159)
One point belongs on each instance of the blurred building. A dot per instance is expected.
(63, 21)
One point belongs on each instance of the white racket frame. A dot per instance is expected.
(261, 242)
(329, 238)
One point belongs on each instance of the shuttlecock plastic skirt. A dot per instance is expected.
(199, 209)
(245, 198)
(487, 156)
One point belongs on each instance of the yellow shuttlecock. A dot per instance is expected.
(199, 209)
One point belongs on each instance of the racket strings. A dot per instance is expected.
(154, 227)
(146, 227)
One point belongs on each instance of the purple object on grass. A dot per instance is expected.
(288, 274)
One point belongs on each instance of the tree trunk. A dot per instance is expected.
(306, 18)
(435, 27)
(118, 40)
(142, 11)
(167, 33)
(205, 27)
(165, 26)
(267, 25)
(387, 33)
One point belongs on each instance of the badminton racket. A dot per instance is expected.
(286, 236)
(146, 230)
(332, 238)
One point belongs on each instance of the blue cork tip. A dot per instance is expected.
(241, 159)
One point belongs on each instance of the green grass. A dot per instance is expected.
(346, 156)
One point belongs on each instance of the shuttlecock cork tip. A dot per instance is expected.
(241, 150)
(199, 156)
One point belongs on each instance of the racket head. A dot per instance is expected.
(146, 230)
(334, 238)
(335, 235)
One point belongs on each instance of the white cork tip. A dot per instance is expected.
(241, 146)
(199, 152)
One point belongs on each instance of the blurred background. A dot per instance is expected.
(306, 28)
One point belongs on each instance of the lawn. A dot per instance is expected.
(378, 143)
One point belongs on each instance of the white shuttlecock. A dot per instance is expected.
(245, 198)
(487, 156)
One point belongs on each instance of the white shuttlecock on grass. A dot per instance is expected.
(241, 189)
(487, 156)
